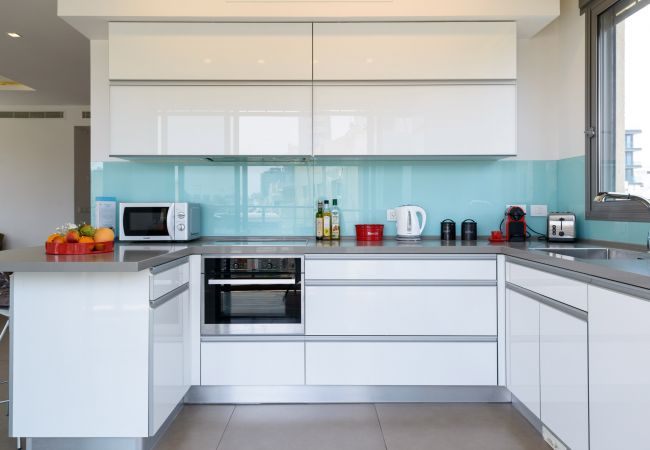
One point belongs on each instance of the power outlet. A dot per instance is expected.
(552, 440)
(539, 210)
(391, 215)
(521, 206)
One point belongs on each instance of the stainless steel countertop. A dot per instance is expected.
(133, 257)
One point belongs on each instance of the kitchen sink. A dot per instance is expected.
(595, 253)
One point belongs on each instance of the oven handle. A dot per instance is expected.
(254, 281)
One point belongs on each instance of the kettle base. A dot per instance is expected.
(408, 238)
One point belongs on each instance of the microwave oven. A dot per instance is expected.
(159, 221)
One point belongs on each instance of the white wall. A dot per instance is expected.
(36, 174)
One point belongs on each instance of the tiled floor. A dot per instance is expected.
(335, 427)
(351, 427)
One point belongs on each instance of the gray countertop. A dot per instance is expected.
(132, 257)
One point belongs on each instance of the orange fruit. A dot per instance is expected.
(86, 240)
(104, 235)
(58, 239)
(51, 237)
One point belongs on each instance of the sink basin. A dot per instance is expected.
(595, 253)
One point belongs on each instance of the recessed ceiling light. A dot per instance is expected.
(13, 35)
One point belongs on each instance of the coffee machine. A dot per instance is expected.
(515, 224)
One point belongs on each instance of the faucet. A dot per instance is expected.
(603, 197)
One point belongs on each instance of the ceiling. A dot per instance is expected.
(51, 57)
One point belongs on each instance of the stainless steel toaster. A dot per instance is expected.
(561, 227)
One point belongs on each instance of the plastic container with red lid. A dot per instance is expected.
(370, 232)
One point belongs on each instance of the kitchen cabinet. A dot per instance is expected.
(401, 363)
(564, 375)
(210, 51)
(210, 120)
(170, 353)
(415, 120)
(619, 364)
(252, 363)
(389, 310)
(523, 349)
(435, 51)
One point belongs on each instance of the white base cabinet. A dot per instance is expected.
(401, 310)
(401, 363)
(523, 344)
(619, 370)
(252, 363)
(170, 357)
(564, 376)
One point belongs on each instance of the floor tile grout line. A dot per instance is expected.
(381, 429)
(226, 427)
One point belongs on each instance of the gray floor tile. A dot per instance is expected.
(457, 427)
(303, 427)
(197, 427)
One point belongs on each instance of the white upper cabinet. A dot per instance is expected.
(415, 51)
(210, 120)
(417, 120)
(210, 51)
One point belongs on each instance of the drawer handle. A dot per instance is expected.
(254, 281)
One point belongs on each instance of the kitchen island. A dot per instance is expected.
(122, 331)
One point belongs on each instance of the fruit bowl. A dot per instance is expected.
(79, 248)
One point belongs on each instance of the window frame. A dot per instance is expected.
(628, 211)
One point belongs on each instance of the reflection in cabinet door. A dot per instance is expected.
(211, 120)
(416, 120)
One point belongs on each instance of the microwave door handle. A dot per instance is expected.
(170, 222)
(253, 282)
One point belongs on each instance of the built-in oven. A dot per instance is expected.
(252, 296)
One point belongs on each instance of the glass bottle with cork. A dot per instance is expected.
(327, 221)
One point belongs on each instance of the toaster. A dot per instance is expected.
(561, 227)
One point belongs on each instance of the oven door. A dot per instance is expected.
(251, 306)
(147, 221)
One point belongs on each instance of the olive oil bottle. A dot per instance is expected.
(327, 221)
(319, 221)
(336, 221)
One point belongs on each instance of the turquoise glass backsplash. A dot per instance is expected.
(571, 197)
(278, 199)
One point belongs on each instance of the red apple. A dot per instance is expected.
(72, 236)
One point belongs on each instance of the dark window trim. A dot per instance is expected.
(628, 211)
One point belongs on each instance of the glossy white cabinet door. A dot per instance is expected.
(401, 310)
(415, 51)
(619, 370)
(416, 120)
(253, 363)
(163, 282)
(563, 376)
(523, 359)
(402, 363)
(565, 290)
(170, 353)
(210, 51)
(211, 120)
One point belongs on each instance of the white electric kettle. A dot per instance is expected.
(408, 224)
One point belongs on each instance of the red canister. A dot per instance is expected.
(371, 232)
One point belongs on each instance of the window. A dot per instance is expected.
(618, 106)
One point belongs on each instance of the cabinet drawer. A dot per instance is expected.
(164, 281)
(401, 310)
(252, 363)
(401, 363)
(400, 269)
(210, 51)
(565, 290)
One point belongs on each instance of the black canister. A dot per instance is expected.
(468, 230)
(448, 230)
